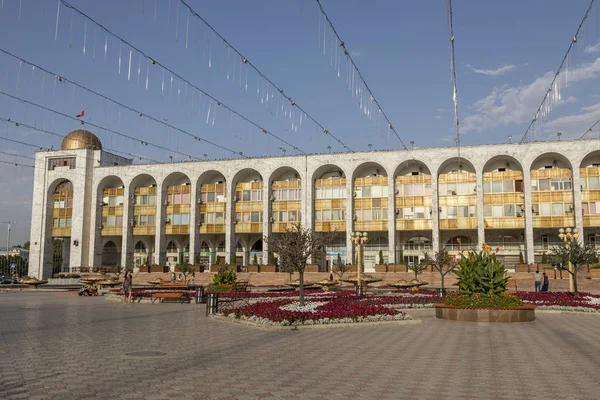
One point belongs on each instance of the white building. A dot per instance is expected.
(108, 211)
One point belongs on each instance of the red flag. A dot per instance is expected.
(81, 114)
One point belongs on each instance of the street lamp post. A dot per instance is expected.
(568, 235)
(358, 239)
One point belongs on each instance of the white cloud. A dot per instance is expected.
(437, 117)
(514, 105)
(574, 125)
(355, 53)
(593, 49)
(503, 69)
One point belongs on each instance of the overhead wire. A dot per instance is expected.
(154, 61)
(453, 78)
(590, 129)
(556, 74)
(246, 61)
(360, 75)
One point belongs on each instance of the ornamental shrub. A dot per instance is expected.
(380, 257)
(224, 277)
(521, 258)
(481, 273)
(544, 258)
(217, 288)
(255, 260)
(482, 300)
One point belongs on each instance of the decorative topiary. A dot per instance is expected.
(380, 257)
(339, 259)
(521, 258)
(255, 260)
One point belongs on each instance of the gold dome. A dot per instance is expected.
(81, 139)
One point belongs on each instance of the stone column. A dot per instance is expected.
(480, 219)
(194, 231)
(435, 212)
(528, 217)
(391, 220)
(577, 203)
(230, 240)
(127, 239)
(160, 237)
(266, 219)
(349, 220)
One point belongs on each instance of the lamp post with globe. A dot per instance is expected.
(358, 239)
(568, 235)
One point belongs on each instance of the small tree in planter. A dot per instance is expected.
(421, 266)
(544, 258)
(339, 259)
(521, 258)
(481, 273)
(380, 257)
(443, 263)
(255, 260)
(296, 245)
(576, 253)
(340, 269)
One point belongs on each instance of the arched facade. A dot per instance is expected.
(477, 196)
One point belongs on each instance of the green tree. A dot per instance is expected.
(255, 260)
(544, 258)
(577, 254)
(419, 267)
(380, 257)
(296, 245)
(340, 269)
(521, 258)
(339, 259)
(234, 259)
(26, 245)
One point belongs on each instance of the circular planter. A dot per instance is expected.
(472, 314)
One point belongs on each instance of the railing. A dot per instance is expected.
(417, 247)
(178, 209)
(330, 226)
(282, 226)
(503, 198)
(212, 228)
(413, 224)
(504, 222)
(248, 227)
(413, 201)
(550, 173)
(283, 205)
(112, 210)
(459, 247)
(179, 189)
(328, 204)
(510, 246)
(177, 229)
(552, 196)
(253, 205)
(371, 181)
(400, 180)
(212, 207)
(324, 183)
(502, 175)
(375, 225)
(463, 177)
(591, 220)
(553, 221)
(62, 212)
(546, 246)
(458, 223)
(114, 192)
(249, 186)
(370, 202)
(295, 184)
(144, 210)
(61, 232)
(144, 230)
(590, 171)
(590, 195)
(457, 199)
(112, 231)
(145, 190)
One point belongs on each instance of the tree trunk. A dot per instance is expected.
(301, 278)
(574, 275)
(443, 276)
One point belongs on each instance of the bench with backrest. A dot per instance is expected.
(170, 286)
(236, 297)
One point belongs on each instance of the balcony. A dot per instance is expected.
(457, 200)
(463, 177)
(248, 227)
(591, 171)
(111, 231)
(550, 173)
(330, 226)
(503, 176)
(212, 228)
(556, 221)
(324, 183)
(371, 181)
(178, 209)
(114, 192)
(177, 229)
(62, 212)
(458, 223)
(112, 210)
(144, 230)
(286, 205)
(546, 247)
(249, 186)
(414, 224)
(504, 222)
(370, 202)
(295, 184)
(179, 189)
(140, 191)
(213, 187)
(329, 204)
(592, 220)
(212, 207)
(458, 248)
(417, 247)
(144, 210)
(503, 198)
(255, 205)
(552, 196)
(374, 225)
(61, 232)
(279, 227)
(400, 180)
(412, 201)
(590, 195)
(507, 247)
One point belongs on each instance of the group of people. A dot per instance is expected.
(541, 281)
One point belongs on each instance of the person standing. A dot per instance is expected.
(545, 282)
(126, 289)
(538, 280)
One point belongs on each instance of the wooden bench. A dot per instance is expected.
(162, 296)
(236, 298)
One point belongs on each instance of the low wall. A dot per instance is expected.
(509, 314)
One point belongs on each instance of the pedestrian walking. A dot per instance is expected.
(126, 290)
(545, 282)
(538, 280)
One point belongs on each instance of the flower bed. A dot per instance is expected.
(482, 301)
(331, 308)
(585, 302)
(144, 294)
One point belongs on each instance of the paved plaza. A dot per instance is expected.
(56, 345)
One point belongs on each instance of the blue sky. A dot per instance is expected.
(506, 53)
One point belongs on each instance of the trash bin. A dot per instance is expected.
(200, 295)
(212, 303)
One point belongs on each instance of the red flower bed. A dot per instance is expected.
(141, 293)
(559, 299)
(339, 306)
